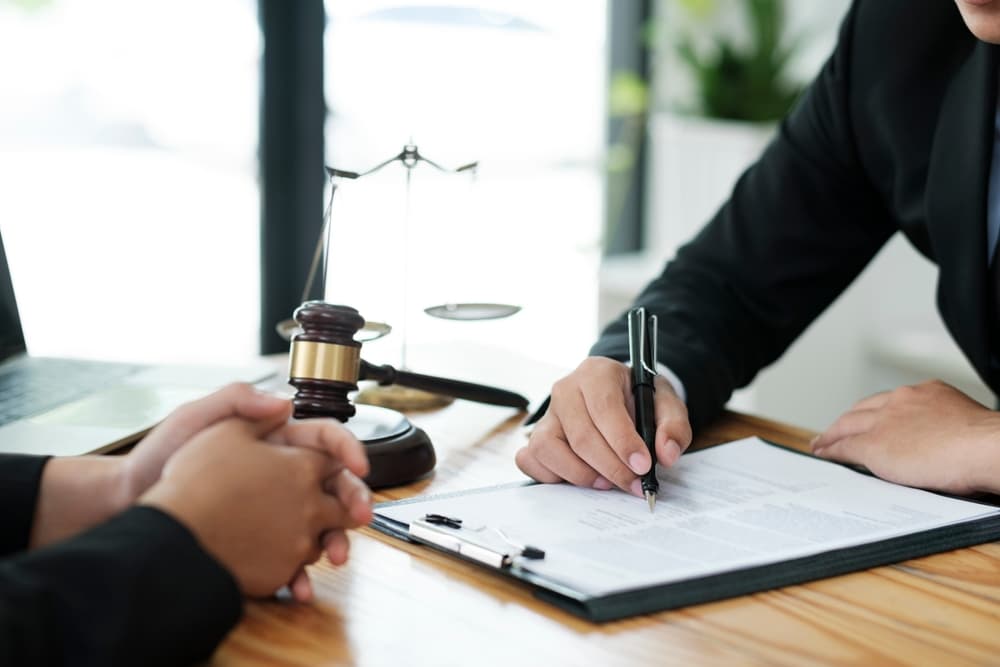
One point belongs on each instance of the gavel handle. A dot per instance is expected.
(470, 391)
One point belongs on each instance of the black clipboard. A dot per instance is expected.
(717, 586)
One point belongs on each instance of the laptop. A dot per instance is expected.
(67, 407)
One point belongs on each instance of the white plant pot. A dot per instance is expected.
(694, 162)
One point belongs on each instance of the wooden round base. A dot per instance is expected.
(397, 397)
(398, 451)
(399, 459)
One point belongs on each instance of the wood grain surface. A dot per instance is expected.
(399, 604)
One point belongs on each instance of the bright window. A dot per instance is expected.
(519, 87)
(128, 137)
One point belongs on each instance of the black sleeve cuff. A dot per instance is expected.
(138, 589)
(20, 477)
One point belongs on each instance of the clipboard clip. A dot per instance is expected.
(477, 544)
(442, 520)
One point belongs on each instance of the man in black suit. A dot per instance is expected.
(896, 134)
(144, 559)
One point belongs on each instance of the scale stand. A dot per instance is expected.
(395, 397)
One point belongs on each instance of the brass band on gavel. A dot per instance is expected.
(325, 360)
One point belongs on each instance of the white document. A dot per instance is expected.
(728, 507)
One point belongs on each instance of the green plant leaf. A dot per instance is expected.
(746, 83)
(29, 5)
(700, 9)
(686, 52)
(628, 94)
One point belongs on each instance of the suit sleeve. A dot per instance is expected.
(799, 226)
(19, 479)
(137, 589)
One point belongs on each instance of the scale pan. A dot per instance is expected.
(472, 311)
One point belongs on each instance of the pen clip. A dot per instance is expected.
(649, 362)
(642, 345)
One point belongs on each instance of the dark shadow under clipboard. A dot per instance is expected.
(716, 586)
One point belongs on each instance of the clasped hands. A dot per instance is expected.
(928, 435)
(263, 495)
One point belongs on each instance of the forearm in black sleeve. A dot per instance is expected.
(20, 477)
(798, 228)
(135, 590)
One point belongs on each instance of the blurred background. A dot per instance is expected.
(162, 190)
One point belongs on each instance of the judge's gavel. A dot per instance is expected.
(325, 366)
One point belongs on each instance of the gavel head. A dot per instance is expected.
(325, 360)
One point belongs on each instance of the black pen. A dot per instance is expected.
(642, 355)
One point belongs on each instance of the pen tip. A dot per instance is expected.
(651, 499)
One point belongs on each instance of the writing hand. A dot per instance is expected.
(929, 435)
(588, 438)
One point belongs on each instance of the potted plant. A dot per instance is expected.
(742, 79)
(724, 81)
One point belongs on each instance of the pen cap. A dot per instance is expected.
(324, 360)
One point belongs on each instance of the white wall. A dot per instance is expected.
(883, 332)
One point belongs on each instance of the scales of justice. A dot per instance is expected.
(325, 363)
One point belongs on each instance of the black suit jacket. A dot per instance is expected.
(136, 590)
(894, 135)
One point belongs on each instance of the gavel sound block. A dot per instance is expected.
(324, 364)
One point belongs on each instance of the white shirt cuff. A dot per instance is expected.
(674, 381)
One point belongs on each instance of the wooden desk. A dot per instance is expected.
(395, 603)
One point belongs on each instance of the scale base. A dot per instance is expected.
(398, 452)
(398, 397)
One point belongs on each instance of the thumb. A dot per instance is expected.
(255, 429)
(266, 424)
(234, 400)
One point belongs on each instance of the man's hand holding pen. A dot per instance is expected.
(588, 435)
